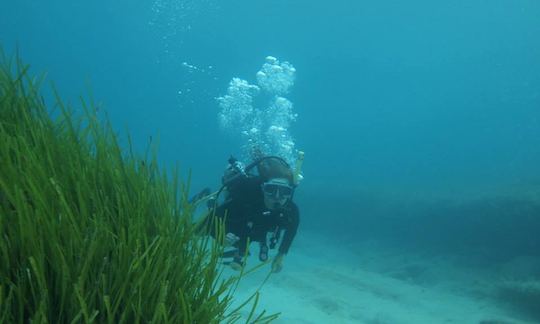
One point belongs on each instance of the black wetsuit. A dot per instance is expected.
(248, 218)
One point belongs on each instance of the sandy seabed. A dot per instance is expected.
(326, 282)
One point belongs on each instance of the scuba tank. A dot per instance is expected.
(233, 176)
(234, 171)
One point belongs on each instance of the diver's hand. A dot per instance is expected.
(231, 239)
(277, 264)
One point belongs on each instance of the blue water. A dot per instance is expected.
(420, 120)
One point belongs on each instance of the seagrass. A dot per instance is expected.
(91, 232)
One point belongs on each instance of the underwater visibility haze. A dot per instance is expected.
(420, 123)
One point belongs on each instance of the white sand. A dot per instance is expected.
(323, 283)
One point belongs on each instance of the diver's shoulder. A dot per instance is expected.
(293, 208)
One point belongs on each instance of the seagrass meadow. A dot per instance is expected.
(92, 232)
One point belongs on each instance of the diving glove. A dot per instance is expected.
(277, 264)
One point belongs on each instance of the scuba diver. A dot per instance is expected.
(257, 207)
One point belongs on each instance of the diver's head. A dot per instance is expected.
(278, 185)
(277, 192)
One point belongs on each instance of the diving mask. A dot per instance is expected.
(278, 189)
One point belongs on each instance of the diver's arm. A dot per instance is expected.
(290, 230)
